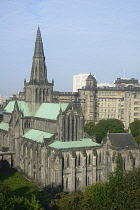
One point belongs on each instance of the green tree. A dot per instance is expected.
(116, 179)
(90, 128)
(8, 201)
(111, 125)
(135, 130)
(24, 204)
(102, 127)
(70, 201)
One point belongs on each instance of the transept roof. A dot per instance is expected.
(22, 105)
(37, 135)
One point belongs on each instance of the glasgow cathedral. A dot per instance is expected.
(42, 131)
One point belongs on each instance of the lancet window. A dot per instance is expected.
(27, 124)
(70, 128)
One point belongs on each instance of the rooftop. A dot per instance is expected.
(37, 135)
(46, 110)
(4, 126)
(50, 110)
(124, 140)
(22, 105)
(74, 144)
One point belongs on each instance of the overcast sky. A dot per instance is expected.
(79, 36)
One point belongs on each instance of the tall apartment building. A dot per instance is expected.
(122, 101)
(79, 81)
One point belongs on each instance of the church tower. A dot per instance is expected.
(38, 89)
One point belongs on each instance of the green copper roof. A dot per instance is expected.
(37, 135)
(4, 126)
(10, 106)
(74, 144)
(22, 105)
(50, 110)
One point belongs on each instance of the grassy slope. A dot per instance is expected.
(22, 187)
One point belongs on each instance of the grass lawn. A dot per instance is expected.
(21, 187)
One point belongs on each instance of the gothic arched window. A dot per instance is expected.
(88, 180)
(40, 94)
(77, 182)
(89, 159)
(73, 128)
(36, 94)
(67, 183)
(43, 95)
(68, 128)
(100, 158)
(64, 129)
(78, 160)
(27, 124)
(68, 161)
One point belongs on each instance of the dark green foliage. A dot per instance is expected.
(71, 201)
(109, 125)
(90, 128)
(16, 191)
(8, 201)
(96, 197)
(121, 192)
(135, 130)
(103, 126)
(137, 139)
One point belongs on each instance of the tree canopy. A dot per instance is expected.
(9, 201)
(135, 130)
(90, 128)
(103, 126)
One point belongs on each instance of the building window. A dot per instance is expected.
(36, 95)
(88, 180)
(67, 183)
(78, 182)
(89, 159)
(68, 128)
(124, 163)
(100, 158)
(43, 95)
(40, 94)
(132, 162)
(78, 160)
(73, 128)
(68, 161)
(27, 124)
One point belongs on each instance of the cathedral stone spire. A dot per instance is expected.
(38, 89)
(39, 70)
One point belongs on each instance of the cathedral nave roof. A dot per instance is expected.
(74, 144)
